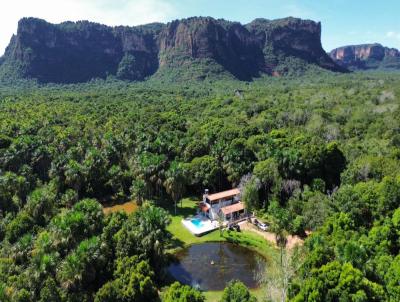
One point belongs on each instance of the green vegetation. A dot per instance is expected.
(182, 293)
(236, 291)
(311, 153)
(133, 282)
(216, 296)
(182, 237)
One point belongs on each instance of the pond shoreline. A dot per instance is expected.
(224, 261)
(182, 238)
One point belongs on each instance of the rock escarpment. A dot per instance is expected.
(229, 44)
(291, 37)
(73, 52)
(366, 56)
(77, 52)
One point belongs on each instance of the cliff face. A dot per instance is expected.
(77, 52)
(229, 44)
(366, 56)
(291, 37)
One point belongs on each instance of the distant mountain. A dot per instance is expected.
(366, 56)
(73, 52)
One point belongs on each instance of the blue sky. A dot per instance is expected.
(343, 21)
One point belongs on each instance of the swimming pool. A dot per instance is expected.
(197, 222)
(199, 225)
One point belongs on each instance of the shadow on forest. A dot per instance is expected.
(184, 211)
(175, 243)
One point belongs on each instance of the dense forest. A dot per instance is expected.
(316, 153)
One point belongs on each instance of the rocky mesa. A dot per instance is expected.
(366, 56)
(73, 52)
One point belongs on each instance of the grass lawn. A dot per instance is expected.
(182, 237)
(215, 296)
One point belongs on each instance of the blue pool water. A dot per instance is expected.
(197, 222)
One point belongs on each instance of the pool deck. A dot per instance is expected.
(206, 225)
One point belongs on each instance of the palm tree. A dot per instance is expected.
(169, 185)
(221, 221)
(138, 190)
(279, 225)
(175, 182)
(281, 240)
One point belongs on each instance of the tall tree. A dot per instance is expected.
(267, 172)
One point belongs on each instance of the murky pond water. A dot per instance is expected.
(210, 266)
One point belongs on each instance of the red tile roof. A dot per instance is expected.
(203, 207)
(232, 208)
(222, 195)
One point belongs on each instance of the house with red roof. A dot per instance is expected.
(226, 205)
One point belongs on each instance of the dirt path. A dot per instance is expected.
(292, 241)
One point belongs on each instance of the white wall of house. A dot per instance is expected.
(216, 207)
(213, 213)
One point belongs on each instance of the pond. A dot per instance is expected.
(210, 266)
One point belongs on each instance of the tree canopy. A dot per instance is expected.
(315, 153)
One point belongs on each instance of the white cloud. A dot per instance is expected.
(110, 12)
(393, 35)
(390, 34)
